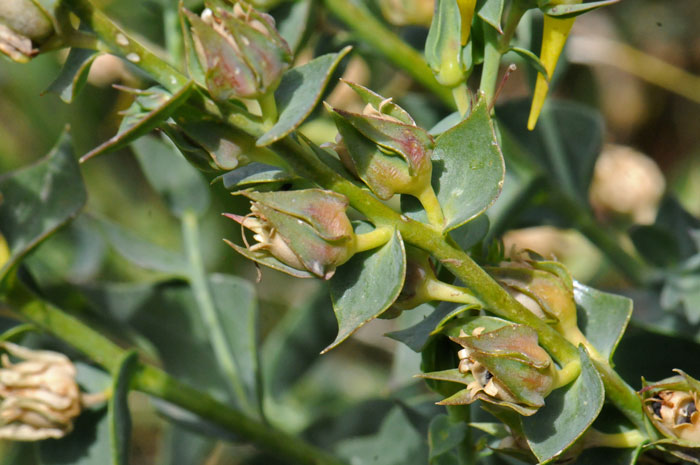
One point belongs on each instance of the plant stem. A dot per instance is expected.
(207, 307)
(121, 44)
(268, 108)
(438, 290)
(626, 439)
(462, 99)
(370, 30)
(373, 239)
(156, 382)
(432, 207)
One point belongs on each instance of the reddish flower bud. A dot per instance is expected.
(304, 233)
(240, 50)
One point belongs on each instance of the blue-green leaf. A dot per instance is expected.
(254, 174)
(567, 414)
(468, 170)
(118, 409)
(602, 317)
(182, 187)
(564, 10)
(491, 12)
(299, 92)
(444, 435)
(74, 74)
(366, 286)
(417, 336)
(149, 110)
(37, 200)
(292, 19)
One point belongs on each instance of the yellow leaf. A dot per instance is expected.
(466, 11)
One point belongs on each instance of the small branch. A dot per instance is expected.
(373, 239)
(624, 440)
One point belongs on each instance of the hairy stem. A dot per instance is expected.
(153, 381)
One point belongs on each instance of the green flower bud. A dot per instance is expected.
(671, 405)
(544, 287)
(24, 24)
(240, 50)
(304, 233)
(504, 366)
(384, 147)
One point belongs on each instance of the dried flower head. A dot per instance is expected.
(40, 395)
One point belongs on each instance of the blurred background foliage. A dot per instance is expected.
(652, 145)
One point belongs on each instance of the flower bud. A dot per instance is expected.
(40, 395)
(671, 405)
(544, 287)
(504, 366)
(384, 147)
(304, 233)
(240, 50)
(24, 24)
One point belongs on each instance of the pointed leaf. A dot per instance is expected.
(74, 74)
(292, 19)
(182, 187)
(603, 317)
(366, 286)
(567, 414)
(142, 117)
(299, 92)
(491, 12)
(384, 105)
(468, 170)
(39, 199)
(417, 336)
(255, 174)
(564, 10)
(444, 435)
(531, 59)
(143, 253)
(118, 409)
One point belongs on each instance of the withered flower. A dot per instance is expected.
(671, 405)
(40, 395)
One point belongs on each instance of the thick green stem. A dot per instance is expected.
(207, 307)
(370, 30)
(624, 440)
(156, 382)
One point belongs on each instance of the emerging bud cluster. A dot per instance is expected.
(24, 24)
(304, 233)
(671, 405)
(40, 395)
(240, 50)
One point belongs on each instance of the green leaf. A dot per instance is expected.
(446, 123)
(74, 74)
(444, 435)
(396, 443)
(656, 244)
(608, 456)
(565, 144)
(417, 336)
(602, 317)
(299, 92)
(237, 310)
(563, 10)
(531, 59)
(292, 19)
(38, 200)
(293, 345)
(366, 286)
(182, 187)
(470, 234)
(143, 253)
(468, 170)
(89, 442)
(255, 175)
(149, 110)
(568, 412)
(118, 409)
(491, 12)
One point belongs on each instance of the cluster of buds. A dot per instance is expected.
(240, 50)
(304, 233)
(671, 405)
(544, 287)
(503, 366)
(40, 395)
(385, 148)
(24, 24)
